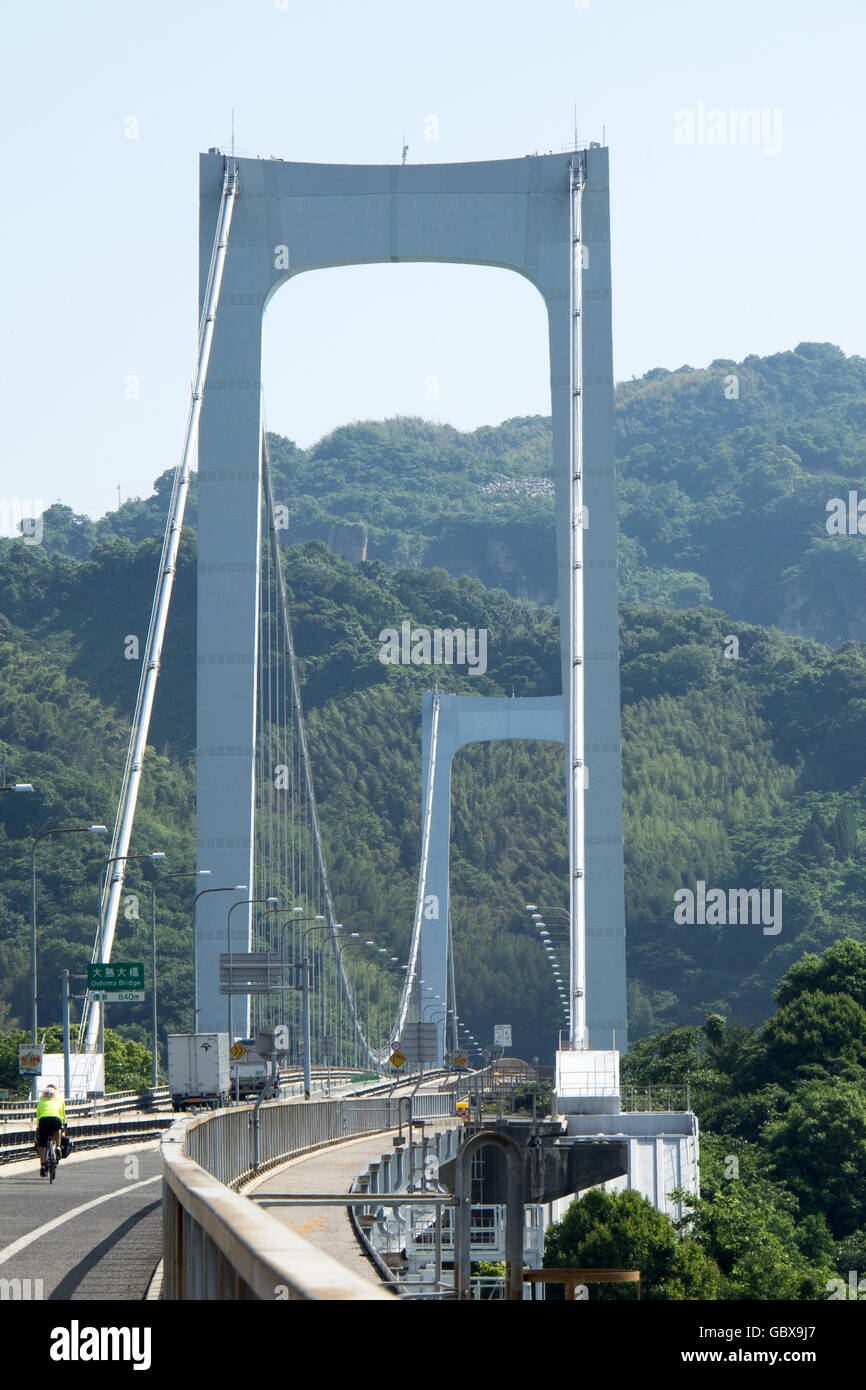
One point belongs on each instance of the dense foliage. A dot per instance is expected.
(625, 1231)
(724, 476)
(127, 1063)
(782, 1206)
(744, 761)
(740, 771)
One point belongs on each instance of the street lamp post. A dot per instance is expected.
(34, 999)
(339, 976)
(155, 856)
(366, 965)
(14, 786)
(381, 952)
(394, 961)
(305, 985)
(356, 936)
(64, 1015)
(181, 873)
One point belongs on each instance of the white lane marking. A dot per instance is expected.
(23, 1241)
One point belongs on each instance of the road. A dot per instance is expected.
(95, 1233)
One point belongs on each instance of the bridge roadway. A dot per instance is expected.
(95, 1233)
(330, 1170)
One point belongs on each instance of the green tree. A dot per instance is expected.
(841, 970)
(819, 1150)
(814, 1029)
(747, 1222)
(625, 1231)
(812, 844)
(844, 835)
(127, 1063)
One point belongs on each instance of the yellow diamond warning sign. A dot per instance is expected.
(238, 1051)
(397, 1058)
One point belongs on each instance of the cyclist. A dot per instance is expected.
(50, 1119)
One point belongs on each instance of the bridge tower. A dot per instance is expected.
(291, 218)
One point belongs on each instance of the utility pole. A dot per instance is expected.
(305, 980)
(154, 1073)
(64, 987)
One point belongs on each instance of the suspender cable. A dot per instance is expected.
(316, 852)
(90, 1018)
(576, 678)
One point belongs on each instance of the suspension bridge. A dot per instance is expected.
(270, 910)
(262, 223)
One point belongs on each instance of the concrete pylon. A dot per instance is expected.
(463, 719)
(293, 218)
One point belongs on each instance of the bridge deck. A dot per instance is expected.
(79, 1246)
(328, 1170)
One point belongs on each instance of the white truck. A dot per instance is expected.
(250, 1071)
(198, 1069)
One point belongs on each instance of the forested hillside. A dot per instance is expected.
(741, 771)
(782, 1208)
(724, 476)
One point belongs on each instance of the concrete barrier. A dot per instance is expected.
(217, 1245)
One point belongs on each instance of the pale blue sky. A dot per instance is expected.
(717, 250)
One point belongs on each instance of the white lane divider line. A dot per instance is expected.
(23, 1241)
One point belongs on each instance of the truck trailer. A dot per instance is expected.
(198, 1069)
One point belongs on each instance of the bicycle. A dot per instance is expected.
(51, 1159)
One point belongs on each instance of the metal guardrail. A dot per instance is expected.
(19, 1143)
(399, 1180)
(388, 1087)
(114, 1102)
(434, 1105)
(218, 1245)
(17, 1133)
(224, 1145)
(493, 1087)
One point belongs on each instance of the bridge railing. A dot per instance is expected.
(217, 1245)
(150, 1099)
(17, 1141)
(432, 1105)
(223, 1145)
(113, 1103)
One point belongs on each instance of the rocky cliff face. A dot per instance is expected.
(839, 619)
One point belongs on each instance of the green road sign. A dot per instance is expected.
(119, 982)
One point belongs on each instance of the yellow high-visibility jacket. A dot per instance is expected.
(54, 1106)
